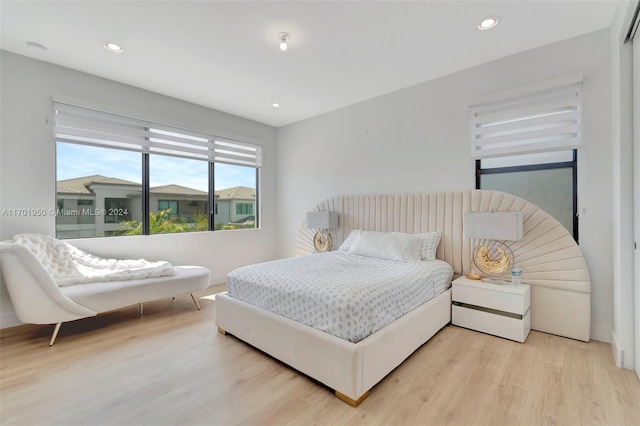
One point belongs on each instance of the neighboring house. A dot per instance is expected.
(183, 202)
(80, 203)
(235, 205)
(96, 205)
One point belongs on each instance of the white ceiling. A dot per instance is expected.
(225, 55)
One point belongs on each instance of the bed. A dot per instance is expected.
(345, 295)
(551, 261)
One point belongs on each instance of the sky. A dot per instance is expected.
(75, 161)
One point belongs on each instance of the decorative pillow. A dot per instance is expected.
(387, 245)
(430, 241)
(346, 245)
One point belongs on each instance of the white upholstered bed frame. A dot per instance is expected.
(551, 261)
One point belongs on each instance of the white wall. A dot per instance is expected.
(636, 188)
(417, 140)
(622, 331)
(27, 160)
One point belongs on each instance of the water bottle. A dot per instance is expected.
(516, 274)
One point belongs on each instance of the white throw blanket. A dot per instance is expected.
(69, 265)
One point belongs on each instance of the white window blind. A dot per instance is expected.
(85, 126)
(545, 120)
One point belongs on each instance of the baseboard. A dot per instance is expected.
(217, 280)
(618, 354)
(9, 319)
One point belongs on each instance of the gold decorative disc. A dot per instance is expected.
(322, 242)
(492, 261)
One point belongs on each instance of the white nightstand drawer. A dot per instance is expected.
(498, 325)
(494, 296)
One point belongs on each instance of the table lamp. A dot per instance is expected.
(491, 256)
(322, 222)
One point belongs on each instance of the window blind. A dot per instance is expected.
(546, 120)
(85, 126)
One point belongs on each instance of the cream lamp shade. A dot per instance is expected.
(322, 221)
(503, 226)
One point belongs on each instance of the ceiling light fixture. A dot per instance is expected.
(36, 46)
(276, 104)
(113, 47)
(283, 37)
(489, 22)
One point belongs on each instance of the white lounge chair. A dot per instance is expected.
(37, 299)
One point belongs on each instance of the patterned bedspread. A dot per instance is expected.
(345, 295)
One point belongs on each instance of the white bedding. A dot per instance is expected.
(344, 295)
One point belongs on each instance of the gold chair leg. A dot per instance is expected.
(141, 308)
(55, 334)
(195, 300)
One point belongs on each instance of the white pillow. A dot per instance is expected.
(387, 245)
(430, 241)
(346, 245)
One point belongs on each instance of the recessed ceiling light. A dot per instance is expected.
(276, 104)
(36, 46)
(113, 47)
(489, 22)
(284, 38)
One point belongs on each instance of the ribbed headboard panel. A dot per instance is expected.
(411, 213)
(547, 254)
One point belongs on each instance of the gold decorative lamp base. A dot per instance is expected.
(493, 259)
(322, 242)
(322, 221)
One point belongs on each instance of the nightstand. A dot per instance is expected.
(498, 309)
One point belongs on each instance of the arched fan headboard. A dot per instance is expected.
(551, 261)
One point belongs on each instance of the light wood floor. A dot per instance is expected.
(172, 367)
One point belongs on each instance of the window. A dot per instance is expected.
(235, 197)
(244, 208)
(117, 210)
(526, 143)
(179, 194)
(172, 206)
(547, 180)
(122, 176)
(89, 179)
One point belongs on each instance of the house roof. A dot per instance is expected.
(236, 193)
(176, 189)
(81, 185)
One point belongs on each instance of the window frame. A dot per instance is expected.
(573, 165)
(73, 125)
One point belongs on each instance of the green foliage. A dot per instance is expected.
(163, 223)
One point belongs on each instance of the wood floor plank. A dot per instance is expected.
(173, 367)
